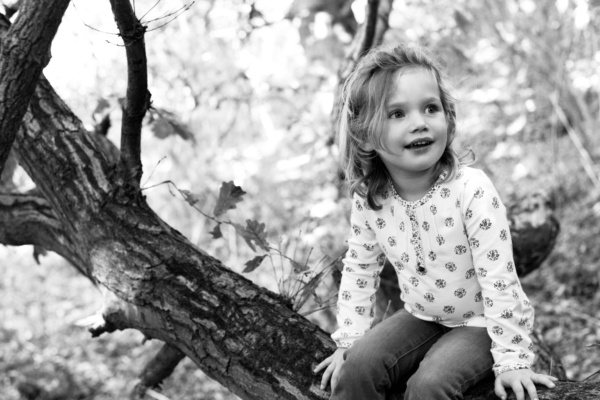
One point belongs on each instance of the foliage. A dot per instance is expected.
(245, 97)
(299, 281)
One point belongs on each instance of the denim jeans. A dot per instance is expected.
(426, 360)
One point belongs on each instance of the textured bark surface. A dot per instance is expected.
(24, 52)
(164, 286)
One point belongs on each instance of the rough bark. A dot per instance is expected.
(163, 285)
(24, 53)
(28, 219)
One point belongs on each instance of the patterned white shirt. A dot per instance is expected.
(452, 252)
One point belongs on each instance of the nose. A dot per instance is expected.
(417, 122)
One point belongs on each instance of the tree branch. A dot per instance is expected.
(73, 172)
(22, 61)
(370, 34)
(158, 369)
(370, 25)
(28, 219)
(137, 98)
(6, 177)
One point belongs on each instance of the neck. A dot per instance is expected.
(413, 186)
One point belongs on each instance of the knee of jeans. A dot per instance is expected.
(429, 385)
(366, 359)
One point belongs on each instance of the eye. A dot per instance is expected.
(432, 108)
(396, 114)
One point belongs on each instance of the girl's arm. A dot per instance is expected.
(508, 312)
(360, 278)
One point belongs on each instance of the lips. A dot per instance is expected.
(419, 143)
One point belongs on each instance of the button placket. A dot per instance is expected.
(415, 240)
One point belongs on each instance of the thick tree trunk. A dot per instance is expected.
(164, 287)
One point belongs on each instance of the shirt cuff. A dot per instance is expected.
(498, 369)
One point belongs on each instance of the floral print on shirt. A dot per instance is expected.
(453, 256)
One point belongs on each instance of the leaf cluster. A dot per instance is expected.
(298, 283)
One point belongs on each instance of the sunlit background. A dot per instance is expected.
(243, 91)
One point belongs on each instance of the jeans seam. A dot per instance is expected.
(412, 350)
(462, 387)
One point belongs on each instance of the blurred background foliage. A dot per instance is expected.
(243, 91)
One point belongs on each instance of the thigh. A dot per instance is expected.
(400, 341)
(460, 359)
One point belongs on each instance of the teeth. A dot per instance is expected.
(418, 144)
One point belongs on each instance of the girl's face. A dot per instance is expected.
(415, 131)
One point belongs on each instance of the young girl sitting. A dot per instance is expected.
(442, 226)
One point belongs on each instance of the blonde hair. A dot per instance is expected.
(363, 116)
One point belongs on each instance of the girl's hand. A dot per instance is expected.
(333, 363)
(521, 378)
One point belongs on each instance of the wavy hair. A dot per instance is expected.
(363, 115)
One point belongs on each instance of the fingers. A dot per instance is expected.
(499, 389)
(530, 387)
(544, 380)
(334, 378)
(517, 388)
(514, 384)
(323, 364)
(326, 375)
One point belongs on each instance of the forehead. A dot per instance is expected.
(413, 84)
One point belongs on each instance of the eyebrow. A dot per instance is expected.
(424, 101)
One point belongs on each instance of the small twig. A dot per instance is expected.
(181, 11)
(586, 159)
(91, 27)
(275, 274)
(387, 309)
(585, 316)
(154, 169)
(156, 395)
(150, 9)
(304, 314)
(591, 376)
(280, 282)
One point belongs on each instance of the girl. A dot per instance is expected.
(444, 229)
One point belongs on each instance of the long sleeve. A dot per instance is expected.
(360, 278)
(508, 313)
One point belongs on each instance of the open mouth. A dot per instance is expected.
(419, 144)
